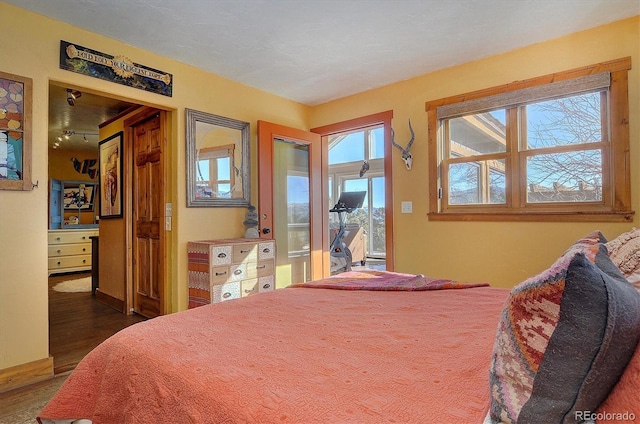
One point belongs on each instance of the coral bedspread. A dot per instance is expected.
(296, 356)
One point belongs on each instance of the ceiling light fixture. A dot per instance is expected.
(67, 134)
(72, 96)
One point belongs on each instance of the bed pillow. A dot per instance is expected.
(624, 251)
(564, 339)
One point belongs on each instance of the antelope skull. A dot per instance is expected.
(407, 157)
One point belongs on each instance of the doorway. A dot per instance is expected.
(356, 164)
(357, 157)
(290, 193)
(305, 237)
(73, 138)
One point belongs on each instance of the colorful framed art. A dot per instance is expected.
(15, 132)
(110, 154)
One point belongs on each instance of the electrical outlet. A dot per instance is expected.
(407, 207)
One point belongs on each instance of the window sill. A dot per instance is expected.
(535, 216)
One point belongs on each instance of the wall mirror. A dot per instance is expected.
(218, 164)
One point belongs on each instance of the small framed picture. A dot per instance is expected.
(110, 151)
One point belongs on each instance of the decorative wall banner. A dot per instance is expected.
(118, 69)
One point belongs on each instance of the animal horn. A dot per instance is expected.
(393, 141)
(413, 137)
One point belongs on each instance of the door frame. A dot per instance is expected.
(381, 118)
(267, 131)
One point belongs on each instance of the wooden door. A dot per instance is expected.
(148, 137)
(288, 213)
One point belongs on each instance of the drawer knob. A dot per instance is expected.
(247, 290)
(84, 261)
(266, 250)
(84, 249)
(261, 266)
(244, 251)
(221, 273)
(58, 238)
(266, 286)
(226, 295)
(83, 237)
(222, 255)
(58, 251)
(237, 272)
(59, 262)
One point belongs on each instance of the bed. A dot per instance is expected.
(360, 347)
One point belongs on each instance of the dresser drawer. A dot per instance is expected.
(69, 249)
(246, 252)
(258, 285)
(219, 274)
(266, 250)
(221, 255)
(65, 237)
(260, 269)
(225, 291)
(70, 262)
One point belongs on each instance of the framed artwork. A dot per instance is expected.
(110, 154)
(15, 132)
(78, 198)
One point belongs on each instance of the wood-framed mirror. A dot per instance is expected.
(218, 163)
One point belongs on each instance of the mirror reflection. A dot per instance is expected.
(217, 160)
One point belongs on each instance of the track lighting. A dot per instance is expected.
(72, 96)
(67, 134)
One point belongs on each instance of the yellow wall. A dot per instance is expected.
(500, 253)
(31, 48)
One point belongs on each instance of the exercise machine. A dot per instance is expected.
(340, 254)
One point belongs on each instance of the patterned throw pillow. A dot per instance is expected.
(624, 251)
(564, 338)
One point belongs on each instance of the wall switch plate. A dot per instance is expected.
(168, 209)
(167, 223)
(407, 207)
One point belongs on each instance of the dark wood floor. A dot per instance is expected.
(78, 323)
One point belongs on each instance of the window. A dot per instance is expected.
(215, 176)
(549, 148)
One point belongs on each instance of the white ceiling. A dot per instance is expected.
(314, 51)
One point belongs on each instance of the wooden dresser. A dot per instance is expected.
(70, 250)
(226, 269)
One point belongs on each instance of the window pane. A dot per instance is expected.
(224, 168)
(497, 187)
(464, 183)
(565, 177)
(376, 143)
(348, 148)
(564, 121)
(203, 170)
(358, 216)
(482, 133)
(224, 191)
(480, 182)
(377, 234)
